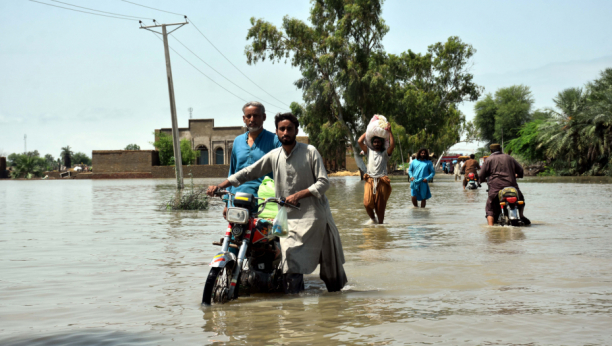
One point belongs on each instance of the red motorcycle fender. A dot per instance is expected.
(221, 259)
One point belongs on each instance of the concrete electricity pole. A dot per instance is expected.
(178, 163)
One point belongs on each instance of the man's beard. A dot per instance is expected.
(254, 129)
(287, 141)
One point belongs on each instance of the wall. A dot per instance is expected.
(198, 171)
(121, 161)
(3, 172)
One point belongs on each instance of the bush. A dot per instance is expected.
(192, 200)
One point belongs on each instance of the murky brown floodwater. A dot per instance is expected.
(95, 263)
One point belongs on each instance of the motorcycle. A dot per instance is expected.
(508, 200)
(472, 184)
(256, 268)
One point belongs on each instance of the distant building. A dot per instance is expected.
(214, 143)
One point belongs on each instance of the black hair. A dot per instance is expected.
(472, 156)
(426, 154)
(382, 139)
(286, 116)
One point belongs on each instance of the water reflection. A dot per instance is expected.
(499, 235)
(375, 238)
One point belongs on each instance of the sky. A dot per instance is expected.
(99, 83)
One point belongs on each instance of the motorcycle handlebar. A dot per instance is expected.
(280, 201)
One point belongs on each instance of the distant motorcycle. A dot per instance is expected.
(257, 266)
(508, 200)
(472, 184)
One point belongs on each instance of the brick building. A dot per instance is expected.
(214, 143)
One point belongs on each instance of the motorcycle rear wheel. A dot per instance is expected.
(216, 288)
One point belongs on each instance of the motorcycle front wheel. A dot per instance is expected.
(216, 288)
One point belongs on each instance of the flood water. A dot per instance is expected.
(95, 262)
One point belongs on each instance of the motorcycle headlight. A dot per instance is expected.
(237, 215)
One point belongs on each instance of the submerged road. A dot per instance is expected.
(95, 262)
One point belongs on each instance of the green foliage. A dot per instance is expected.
(27, 166)
(188, 155)
(550, 171)
(81, 158)
(66, 155)
(163, 143)
(191, 200)
(132, 147)
(502, 115)
(575, 137)
(347, 77)
(11, 160)
(528, 143)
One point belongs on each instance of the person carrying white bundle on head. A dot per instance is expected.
(378, 143)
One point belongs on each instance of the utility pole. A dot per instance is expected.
(178, 163)
(25, 144)
(190, 112)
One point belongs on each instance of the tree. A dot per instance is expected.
(347, 77)
(81, 158)
(485, 110)
(188, 155)
(132, 147)
(27, 166)
(66, 154)
(528, 144)
(500, 117)
(163, 143)
(11, 160)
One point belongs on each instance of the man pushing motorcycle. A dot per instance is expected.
(300, 176)
(501, 171)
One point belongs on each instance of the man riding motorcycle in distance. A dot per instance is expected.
(502, 171)
(470, 166)
(300, 176)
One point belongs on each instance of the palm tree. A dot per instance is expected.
(561, 135)
(27, 166)
(66, 154)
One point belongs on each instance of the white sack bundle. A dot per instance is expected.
(378, 127)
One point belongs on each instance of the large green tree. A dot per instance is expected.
(347, 77)
(500, 117)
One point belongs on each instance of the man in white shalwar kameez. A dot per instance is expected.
(300, 176)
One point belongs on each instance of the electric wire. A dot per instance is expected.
(215, 47)
(156, 9)
(212, 68)
(91, 9)
(72, 9)
(192, 65)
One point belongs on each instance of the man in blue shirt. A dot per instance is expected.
(251, 146)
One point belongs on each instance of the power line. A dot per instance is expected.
(91, 9)
(212, 68)
(212, 80)
(72, 9)
(228, 60)
(156, 9)
(217, 49)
